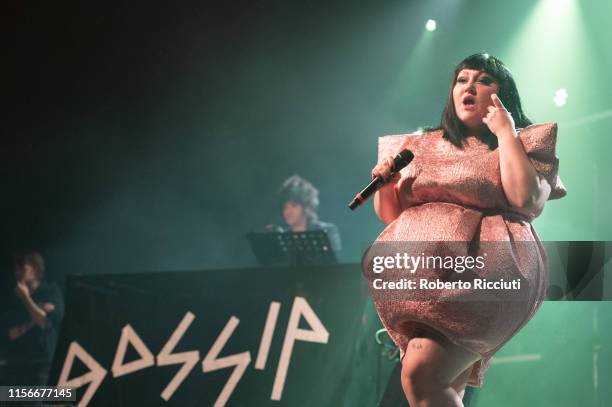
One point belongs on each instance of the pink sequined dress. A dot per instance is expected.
(455, 194)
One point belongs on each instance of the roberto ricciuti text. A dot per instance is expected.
(425, 284)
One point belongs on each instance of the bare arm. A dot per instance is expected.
(386, 203)
(523, 186)
(38, 315)
(18, 331)
(525, 189)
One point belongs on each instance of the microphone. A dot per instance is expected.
(401, 160)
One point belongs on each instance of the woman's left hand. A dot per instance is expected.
(499, 120)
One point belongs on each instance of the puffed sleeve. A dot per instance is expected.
(389, 146)
(539, 141)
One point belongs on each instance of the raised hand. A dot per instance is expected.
(21, 290)
(498, 120)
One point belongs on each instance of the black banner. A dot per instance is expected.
(249, 337)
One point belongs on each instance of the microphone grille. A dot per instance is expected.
(402, 159)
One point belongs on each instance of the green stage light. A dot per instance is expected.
(431, 25)
(554, 41)
(560, 98)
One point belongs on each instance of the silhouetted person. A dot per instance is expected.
(32, 322)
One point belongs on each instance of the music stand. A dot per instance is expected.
(292, 248)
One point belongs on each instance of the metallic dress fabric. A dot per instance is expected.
(450, 193)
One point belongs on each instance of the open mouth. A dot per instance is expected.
(469, 100)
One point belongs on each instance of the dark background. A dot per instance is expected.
(146, 136)
(152, 136)
(143, 136)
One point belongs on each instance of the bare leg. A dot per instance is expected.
(460, 382)
(435, 371)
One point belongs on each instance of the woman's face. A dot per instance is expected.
(472, 95)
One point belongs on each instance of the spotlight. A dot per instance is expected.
(560, 98)
(431, 25)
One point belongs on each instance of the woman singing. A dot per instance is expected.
(482, 176)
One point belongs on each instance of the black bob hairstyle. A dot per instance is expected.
(508, 93)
